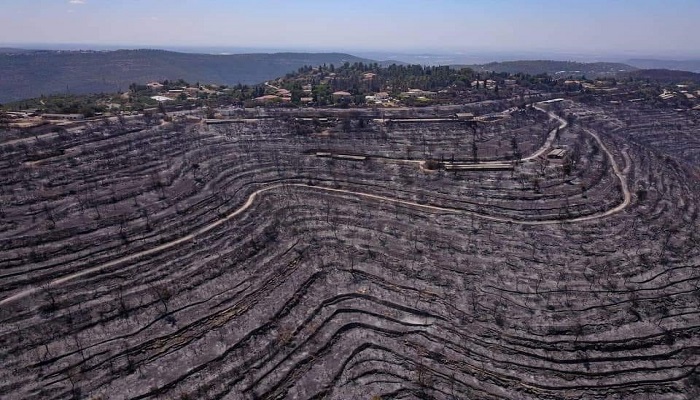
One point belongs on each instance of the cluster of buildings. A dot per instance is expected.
(491, 84)
(684, 90)
(32, 118)
(378, 98)
(488, 84)
(16, 115)
(64, 117)
(285, 95)
(20, 114)
(418, 94)
(166, 94)
(282, 95)
(667, 95)
(680, 91)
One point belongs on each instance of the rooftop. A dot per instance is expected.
(267, 97)
(557, 153)
(465, 115)
(161, 98)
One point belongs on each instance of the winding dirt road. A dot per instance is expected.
(552, 135)
(621, 175)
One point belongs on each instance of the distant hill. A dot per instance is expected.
(31, 74)
(12, 50)
(388, 63)
(555, 68)
(684, 65)
(665, 75)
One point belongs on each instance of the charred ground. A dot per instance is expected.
(325, 253)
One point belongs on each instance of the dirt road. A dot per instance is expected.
(251, 200)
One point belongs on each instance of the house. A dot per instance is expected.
(17, 114)
(510, 82)
(65, 117)
(666, 95)
(306, 100)
(465, 116)
(558, 154)
(161, 99)
(268, 98)
(368, 76)
(349, 157)
(341, 95)
(382, 96)
(478, 167)
(417, 93)
(155, 85)
(284, 93)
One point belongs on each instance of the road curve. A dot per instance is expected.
(552, 134)
(543, 149)
(430, 208)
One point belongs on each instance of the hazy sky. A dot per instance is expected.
(649, 27)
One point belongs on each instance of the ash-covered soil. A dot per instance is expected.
(230, 261)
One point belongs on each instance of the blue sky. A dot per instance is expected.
(645, 27)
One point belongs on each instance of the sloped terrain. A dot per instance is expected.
(256, 260)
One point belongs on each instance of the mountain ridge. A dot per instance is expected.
(558, 69)
(665, 75)
(36, 73)
(678, 65)
(33, 73)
